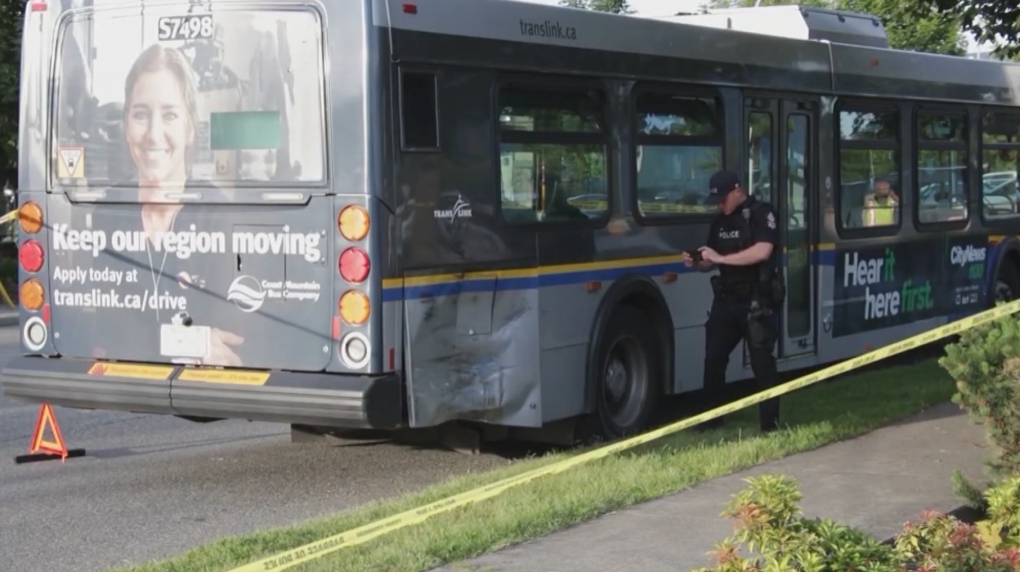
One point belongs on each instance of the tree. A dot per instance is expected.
(935, 32)
(11, 14)
(613, 6)
(996, 21)
(907, 29)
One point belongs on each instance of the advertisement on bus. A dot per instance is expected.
(898, 283)
(166, 111)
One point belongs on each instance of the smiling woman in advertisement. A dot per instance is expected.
(160, 124)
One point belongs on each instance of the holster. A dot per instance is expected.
(769, 297)
(776, 289)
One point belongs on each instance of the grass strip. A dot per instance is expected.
(817, 416)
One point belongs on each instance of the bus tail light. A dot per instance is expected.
(354, 265)
(30, 217)
(353, 222)
(31, 294)
(354, 307)
(30, 255)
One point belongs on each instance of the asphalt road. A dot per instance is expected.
(154, 486)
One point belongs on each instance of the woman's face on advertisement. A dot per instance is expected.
(157, 129)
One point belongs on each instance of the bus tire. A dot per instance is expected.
(1007, 282)
(628, 374)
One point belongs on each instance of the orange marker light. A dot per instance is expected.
(354, 307)
(353, 222)
(30, 217)
(31, 294)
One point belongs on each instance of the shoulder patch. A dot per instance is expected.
(771, 220)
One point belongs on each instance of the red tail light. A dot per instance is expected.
(30, 255)
(354, 265)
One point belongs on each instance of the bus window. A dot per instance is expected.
(941, 168)
(552, 146)
(1000, 164)
(869, 168)
(680, 141)
(419, 111)
(192, 98)
(760, 155)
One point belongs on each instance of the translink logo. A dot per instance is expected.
(889, 298)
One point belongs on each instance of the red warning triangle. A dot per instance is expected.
(39, 441)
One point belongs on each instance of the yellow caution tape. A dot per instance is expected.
(363, 534)
(8, 216)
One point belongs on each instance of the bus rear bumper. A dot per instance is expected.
(317, 399)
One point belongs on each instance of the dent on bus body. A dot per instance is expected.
(474, 354)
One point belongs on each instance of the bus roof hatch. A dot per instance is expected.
(795, 21)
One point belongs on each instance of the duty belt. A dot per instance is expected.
(742, 290)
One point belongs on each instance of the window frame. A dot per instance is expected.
(982, 146)
(774, 116)
(924, 145)
(542, 83)
(859, 105)
(120, 191)
(401, 122)
(679, 90)
(810, 170)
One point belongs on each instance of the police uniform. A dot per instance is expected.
(746, 300)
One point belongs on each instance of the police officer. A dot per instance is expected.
(748, 290)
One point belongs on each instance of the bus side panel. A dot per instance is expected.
(470, 304)
(471, 355)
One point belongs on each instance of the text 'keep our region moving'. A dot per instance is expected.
(184, 243)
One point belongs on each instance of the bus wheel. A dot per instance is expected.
(1007, 283)
(629, 371)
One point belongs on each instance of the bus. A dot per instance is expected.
(467, 215)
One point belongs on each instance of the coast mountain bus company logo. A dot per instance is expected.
(246, 293)
(249, 293)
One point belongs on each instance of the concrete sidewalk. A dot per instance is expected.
(874, 482)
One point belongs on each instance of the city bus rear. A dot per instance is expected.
(195, 238)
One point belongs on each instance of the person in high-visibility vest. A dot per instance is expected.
(880, 205)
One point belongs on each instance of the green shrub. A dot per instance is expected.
(8, 270)
(985, 364)
(769, 524)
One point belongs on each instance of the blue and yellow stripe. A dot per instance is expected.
(445, 284)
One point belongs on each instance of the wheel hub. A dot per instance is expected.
(616, 378)
(1003, 292)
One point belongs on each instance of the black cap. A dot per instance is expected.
(721, 183)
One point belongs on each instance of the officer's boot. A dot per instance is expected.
(768, 415)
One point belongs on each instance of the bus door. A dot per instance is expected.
(781, 135)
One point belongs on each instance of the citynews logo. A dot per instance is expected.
(964, 255)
